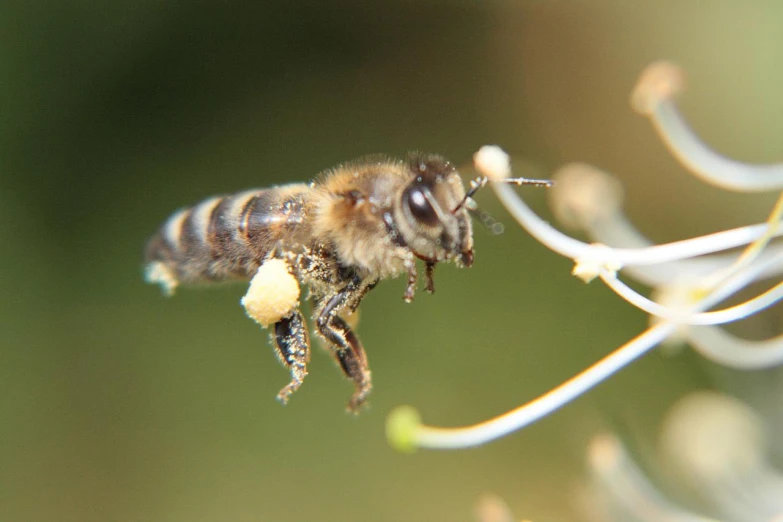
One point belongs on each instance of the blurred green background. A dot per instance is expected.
(117, 404)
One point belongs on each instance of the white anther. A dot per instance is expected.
(492, 162)
(584, 195)
(711, 434)
(659, 81)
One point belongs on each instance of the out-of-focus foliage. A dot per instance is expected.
(119, 404)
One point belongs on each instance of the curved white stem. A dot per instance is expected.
(678, 250)
(618, 232)
(721, 347)
(452, 438)
(727, 315)
(477, 434)
(707, 164)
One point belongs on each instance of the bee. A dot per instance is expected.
(359, 223)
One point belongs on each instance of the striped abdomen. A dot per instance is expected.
(225, 237)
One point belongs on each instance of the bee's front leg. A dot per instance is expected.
(292, 345)
(430, 274)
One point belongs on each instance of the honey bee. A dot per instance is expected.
(357, 224)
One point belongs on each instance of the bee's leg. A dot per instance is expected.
(292, 345)
(410, 290)
(357, 299)
(352, 359)
(345, 345)
(430, 273)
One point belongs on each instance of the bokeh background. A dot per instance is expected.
(119, 404)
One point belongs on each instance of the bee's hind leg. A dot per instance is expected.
(350, 355)
(343, 342)
(292, 345)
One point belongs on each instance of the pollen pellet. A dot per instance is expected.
(273, 293)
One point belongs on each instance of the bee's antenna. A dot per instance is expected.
(481, 181)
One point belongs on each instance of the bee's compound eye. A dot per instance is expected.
(420, 207)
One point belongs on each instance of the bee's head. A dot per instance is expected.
(429, 215)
